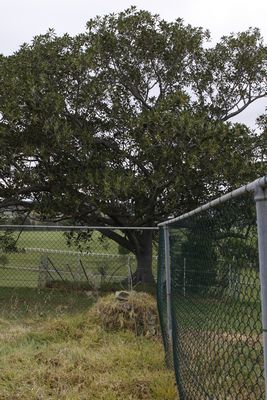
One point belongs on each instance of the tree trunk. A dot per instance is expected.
(143, 272)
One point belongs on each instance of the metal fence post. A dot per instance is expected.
(261, 207)
(130, 278)
(43, 275)
(79, 268)
(168, 282)
(184, 277)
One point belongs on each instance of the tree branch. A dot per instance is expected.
(118, 239)
(250, 101)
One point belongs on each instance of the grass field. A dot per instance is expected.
(101, 261)
(51, 347)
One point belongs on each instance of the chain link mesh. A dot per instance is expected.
(68, 265)
(216, 305)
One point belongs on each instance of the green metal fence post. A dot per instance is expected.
(168, 286)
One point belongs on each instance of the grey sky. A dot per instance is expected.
(22, 19)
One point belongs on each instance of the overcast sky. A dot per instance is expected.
(22, 19)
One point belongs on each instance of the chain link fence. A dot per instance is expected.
(64, 262)
(216, 340)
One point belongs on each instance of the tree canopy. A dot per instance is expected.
(128, 122)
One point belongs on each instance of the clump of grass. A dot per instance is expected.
(137, 313)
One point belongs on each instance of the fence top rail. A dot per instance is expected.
(73, 227)
(250, 187)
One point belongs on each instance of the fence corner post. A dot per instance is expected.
(168, 290)
(261, 208)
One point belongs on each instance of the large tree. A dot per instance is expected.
(127, 123)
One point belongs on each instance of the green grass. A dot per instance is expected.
(27, 303)
(226, 315)
(220, 341)
(45, 239)
(58, 240)
(21, 269)
(53, 347)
